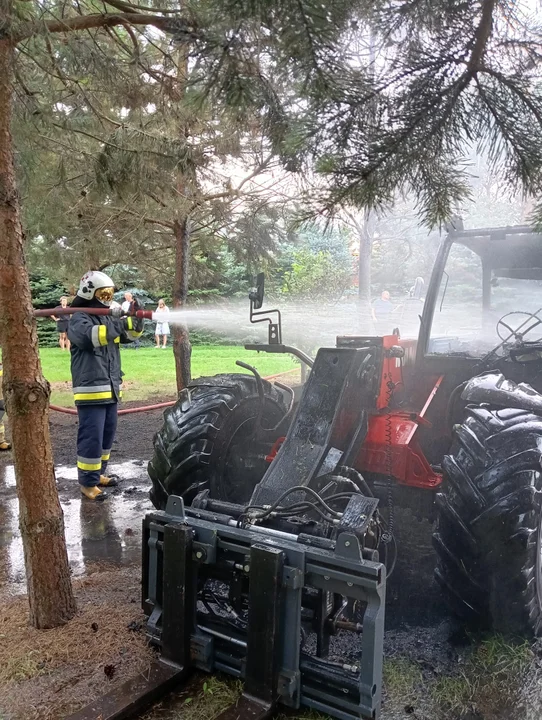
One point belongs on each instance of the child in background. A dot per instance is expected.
(62, 323)
(162, 328)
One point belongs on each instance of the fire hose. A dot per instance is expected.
(157, 406)
(47, 312)
(142, 314)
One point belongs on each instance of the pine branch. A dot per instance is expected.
(125, 7)
(100, 20)
(481, 38)
(143, 218)
(132, 8)
(102, 141)
(72, 149)
(515, 89)
(156, 199)
(257, 170)
(133, 38)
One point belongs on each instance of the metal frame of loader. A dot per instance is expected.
(297, 588)
(180, 545)
(295, 584)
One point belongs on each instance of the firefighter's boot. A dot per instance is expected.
(93, 493)
(5, 446)
(108, 481)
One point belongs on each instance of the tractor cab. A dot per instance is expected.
(482, 313)
(484, 300)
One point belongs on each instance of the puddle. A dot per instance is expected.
(108, 532)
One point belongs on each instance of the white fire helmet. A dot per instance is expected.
(94, 280)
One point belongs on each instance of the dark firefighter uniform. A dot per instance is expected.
(97, 379)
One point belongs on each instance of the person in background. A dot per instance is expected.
(97, 376)
(162, 327)
(4, 445)
(128, 300)
(62, 322)
(381, 313)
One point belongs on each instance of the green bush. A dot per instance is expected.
(47, 334)
(317, 276)
(317, 266)
(45, 291)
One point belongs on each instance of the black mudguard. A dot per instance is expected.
(493, 388)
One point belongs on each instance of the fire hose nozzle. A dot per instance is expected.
(144, 314)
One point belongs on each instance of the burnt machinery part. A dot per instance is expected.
(488, 532)
(208, 440)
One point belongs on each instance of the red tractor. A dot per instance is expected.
(449, 424)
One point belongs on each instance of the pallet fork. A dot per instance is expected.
(285, 579)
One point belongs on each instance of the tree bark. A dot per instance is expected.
(27, 392)
(181, 229)
(365, 231)
(365, 237)
(181, 339)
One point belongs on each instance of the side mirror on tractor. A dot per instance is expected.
(256, 293)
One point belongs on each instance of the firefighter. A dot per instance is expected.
(3, 444)
(96, 377)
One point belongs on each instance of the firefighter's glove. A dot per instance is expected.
(133, 325)
(116, 312)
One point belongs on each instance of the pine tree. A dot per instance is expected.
(447, 77)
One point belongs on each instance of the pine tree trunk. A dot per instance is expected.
(364, 270)
(365, 232)
(181, 340)
(181, 229)
(27, 392)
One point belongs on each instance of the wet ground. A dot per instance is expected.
(107, 533)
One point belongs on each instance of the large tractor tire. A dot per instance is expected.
(208, 440)
(488, 533)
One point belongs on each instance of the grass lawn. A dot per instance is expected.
(150, 374)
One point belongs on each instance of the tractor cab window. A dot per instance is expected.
(458, 312)
(482, 303)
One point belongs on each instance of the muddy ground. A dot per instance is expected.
(433, 670)
(107, 533)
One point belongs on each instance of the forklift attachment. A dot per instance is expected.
(267, 606)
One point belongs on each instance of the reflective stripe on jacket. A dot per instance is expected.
(95, 356)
